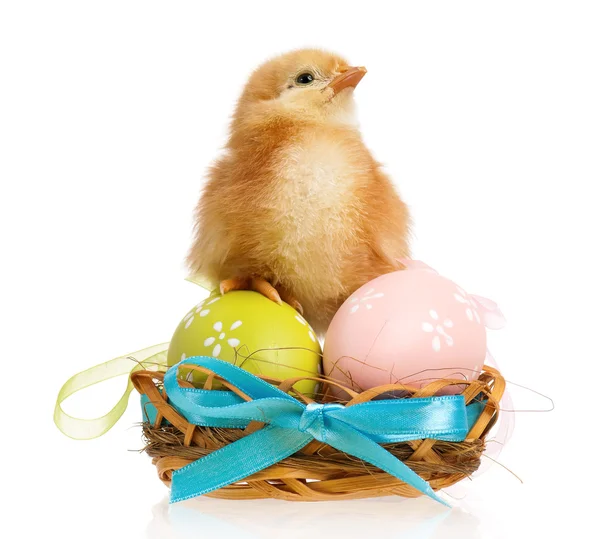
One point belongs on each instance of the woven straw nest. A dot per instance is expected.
(318, 471)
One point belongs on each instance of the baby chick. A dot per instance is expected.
(297, 208)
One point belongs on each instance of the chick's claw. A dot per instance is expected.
(266, 289)
(235, 283)
(290, 299)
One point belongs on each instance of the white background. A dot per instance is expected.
(486, 115)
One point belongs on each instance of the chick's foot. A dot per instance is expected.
(251, 283)
(278, 295)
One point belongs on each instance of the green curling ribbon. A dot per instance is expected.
(152, 358)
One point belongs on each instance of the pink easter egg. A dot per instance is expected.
(411, 327)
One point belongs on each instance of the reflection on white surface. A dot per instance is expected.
(395, 518)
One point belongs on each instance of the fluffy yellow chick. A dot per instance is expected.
(297, 208)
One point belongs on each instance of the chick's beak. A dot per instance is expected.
(348, 79)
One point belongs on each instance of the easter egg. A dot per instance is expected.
(252, 332)
(410, 327)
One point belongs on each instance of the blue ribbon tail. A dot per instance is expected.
(349, 440)
(236, 461)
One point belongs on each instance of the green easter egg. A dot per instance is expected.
(252, 332)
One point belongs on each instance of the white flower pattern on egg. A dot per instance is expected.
(221, 336)
(439, 329)
(470, 305)
(188, 318)
(200, 310)
(365, 300)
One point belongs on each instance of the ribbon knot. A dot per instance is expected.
(356, 430)
(312, 419)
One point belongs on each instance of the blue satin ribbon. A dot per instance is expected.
(356, 430)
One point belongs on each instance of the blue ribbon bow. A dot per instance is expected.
(356, 430)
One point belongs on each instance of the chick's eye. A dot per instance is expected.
(304, 78)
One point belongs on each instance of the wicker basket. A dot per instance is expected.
(320, 472)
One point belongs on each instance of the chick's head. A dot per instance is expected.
(308, 82)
